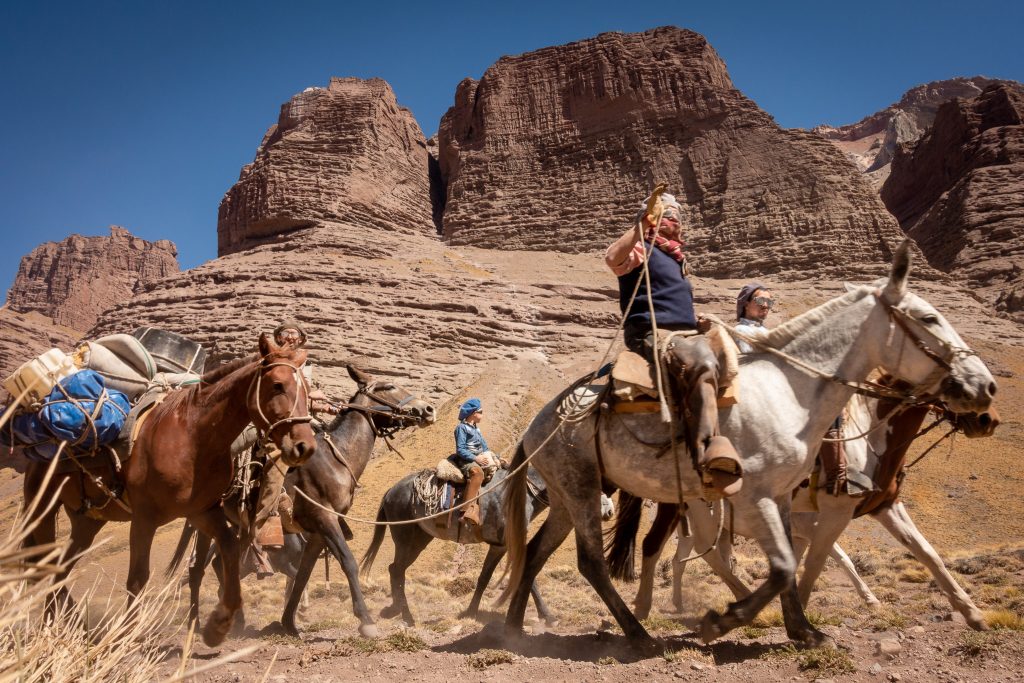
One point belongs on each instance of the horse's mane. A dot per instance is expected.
(226, 369)
(791, 329)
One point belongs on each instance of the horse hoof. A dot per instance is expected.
(978, 623)
(710, 628)
(550, 621)
(368, 630)
(214, 634)
(813, 638)
(290, 629)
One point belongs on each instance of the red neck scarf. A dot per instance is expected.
(673, 248)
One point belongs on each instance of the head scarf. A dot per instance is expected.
(468, 408)
(744, 297)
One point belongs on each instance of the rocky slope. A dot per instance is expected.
(348, 153)
(959, 192)
(553, 149)
(871, 142)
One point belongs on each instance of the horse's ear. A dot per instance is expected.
(896, 287)
(267, 345)
(358, 376)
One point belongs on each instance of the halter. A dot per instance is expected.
(291, 418)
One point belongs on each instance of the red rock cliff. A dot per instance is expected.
(348, 152)
(554, 149)
(959, 192)
(73, 281)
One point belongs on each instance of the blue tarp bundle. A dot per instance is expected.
(67, 415)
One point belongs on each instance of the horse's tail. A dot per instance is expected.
(515, 522)
(188, 532)
(378, 537)
(620, 546)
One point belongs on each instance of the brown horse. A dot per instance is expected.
(180, 466)
(326, 486)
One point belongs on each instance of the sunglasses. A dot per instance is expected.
(764, 301)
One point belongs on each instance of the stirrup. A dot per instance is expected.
(721, 469)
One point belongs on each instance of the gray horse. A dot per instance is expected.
(401, 503)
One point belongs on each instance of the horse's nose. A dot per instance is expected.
(991, 389)
(427, 412)
(303, 451)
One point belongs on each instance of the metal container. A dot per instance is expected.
(172, 352)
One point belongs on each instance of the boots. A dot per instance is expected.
(720, 467)
(471, 513)
(833, 462)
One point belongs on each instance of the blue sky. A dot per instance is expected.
(142, 113)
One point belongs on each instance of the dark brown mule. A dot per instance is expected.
(379, 408)
(180, 466)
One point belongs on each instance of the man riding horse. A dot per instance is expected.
(268, 530)
(668, 305)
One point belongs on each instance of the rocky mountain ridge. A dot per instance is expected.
(871, 142)
(959, 193)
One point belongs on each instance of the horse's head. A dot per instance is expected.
(393, 408)
(279, 401)
(975, 425)
(921, 347)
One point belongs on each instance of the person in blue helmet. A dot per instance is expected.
(472, 455)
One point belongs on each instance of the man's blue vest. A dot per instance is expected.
(673, 296)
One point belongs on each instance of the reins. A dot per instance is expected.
(300, 397)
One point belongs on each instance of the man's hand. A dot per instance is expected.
(484, 460)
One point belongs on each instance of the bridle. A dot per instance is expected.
(400, 415)
(300, 397)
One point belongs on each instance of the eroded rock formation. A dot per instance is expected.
(554, 148)
(959, 192)
(26, 335)
(348, 152)
(72, 281)
(871, 142)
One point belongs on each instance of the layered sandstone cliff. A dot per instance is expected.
(871, 142)
(72, 281)
(959, 192)
(348, 152)
(554, 149)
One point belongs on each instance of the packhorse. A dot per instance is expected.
(788, 403)
(325, 487)
(402, 503)
(180, 465)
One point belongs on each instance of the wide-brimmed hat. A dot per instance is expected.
(290, 325)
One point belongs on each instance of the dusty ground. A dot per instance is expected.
(964, 496)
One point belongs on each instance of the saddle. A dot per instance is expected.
(635, 389)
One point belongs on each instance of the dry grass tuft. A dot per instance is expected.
(1004, 619)
(769, 617)
(608, 661)
(915, 575)
(976, 644)
(460, 585)
(488, 657)
(826, 661)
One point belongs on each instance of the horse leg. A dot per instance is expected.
(547, 539)
(494, 555)
(827, 528)
(310, 554)
(409, 542)
(214, 524)
(684, 547)
(336, 543)
(654, 543)
(140, 538)
(766, 523)
(898, 523)
(846, 564)
(83, 532)
(195, 575)
(798, 627)
(594, 568)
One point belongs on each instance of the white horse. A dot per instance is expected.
(881, 452)
(777, 428)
